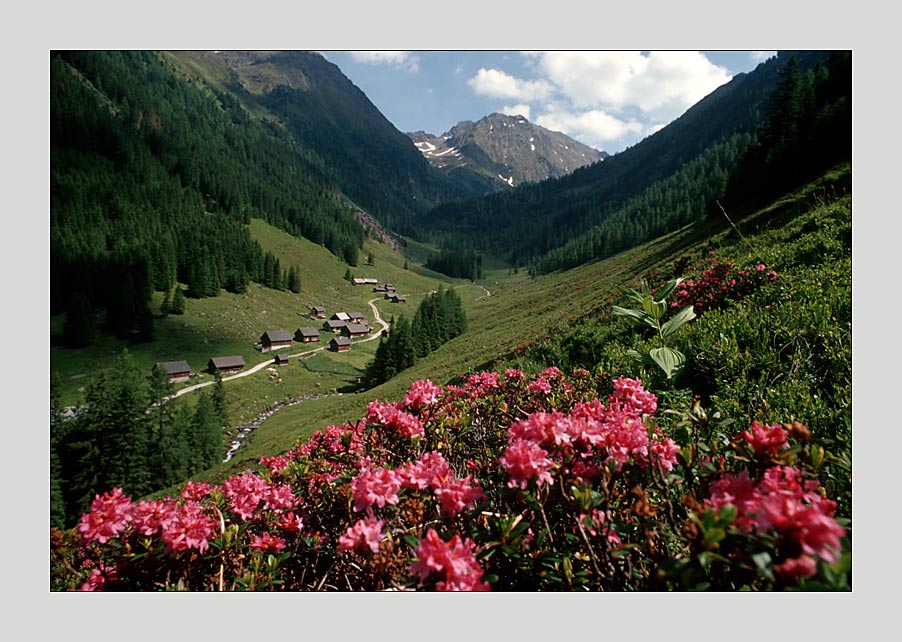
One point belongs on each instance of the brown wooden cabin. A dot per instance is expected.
(355, 330)
(225, 365)
(340, 344)
(281, 359)
(334, 326)
(398, 298)
(318, 311)
(306, 335)
(273, 339)
(175, 370)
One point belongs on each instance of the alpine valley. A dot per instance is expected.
(294, 348)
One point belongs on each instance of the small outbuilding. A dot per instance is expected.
(275, 339)
(281, 359)
(224, 365)
(175, 370)
(356, 317)
(398, 298)
(341, 316)
(306, 335)
(340, 344)
(318, 312)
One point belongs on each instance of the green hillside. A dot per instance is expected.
(525, 320)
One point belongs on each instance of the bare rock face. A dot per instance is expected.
(509, 149)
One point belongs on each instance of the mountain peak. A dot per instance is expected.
(509, 149)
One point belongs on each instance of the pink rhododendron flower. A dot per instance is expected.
(365, 533)
(512, 374)
(421, 474)
(455, 495)
(740, 491)
(795, 568)
(631, 392)
(389, 416)
(767, 441)
(245, 492)
(375, 486)
(539, 386)
(664, 452)
(552, 372)
(99, 578)
(453, 560)
(267, 542)
(481, 384)
(190, 527)
(760, 267)
(109, 515)
(524, 460)
(280, 498)
(421, 394)
(290, 522)
(151, 516)
(275, 464)
(196, 490)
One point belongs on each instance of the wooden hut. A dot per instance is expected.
(340, 344)
(175, 370)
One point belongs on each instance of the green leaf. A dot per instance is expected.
(641, 357)
(683, 316)
(668, 289)
(636, 316)
(668, 359)
(654, 308)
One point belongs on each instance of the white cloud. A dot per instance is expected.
(497, 84)
(592, 127)
(516, 110)
(661, 85)
(403, 59)
(761, 56)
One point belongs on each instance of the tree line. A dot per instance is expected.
(125, 436)
(439, 318)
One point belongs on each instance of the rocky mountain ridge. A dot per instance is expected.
(509, 149)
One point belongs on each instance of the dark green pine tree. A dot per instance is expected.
(175, 449)
(116, 417)
(206, 435)
(348, 276)
(220, 405)
(294, 279)
(178, 301)
(165, 305)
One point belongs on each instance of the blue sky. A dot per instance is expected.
(606, 99)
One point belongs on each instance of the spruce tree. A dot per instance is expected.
(178, 301)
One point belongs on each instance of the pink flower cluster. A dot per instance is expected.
(380, 486)
(766, 441)
(335, 440)
(374, 486)
(189, 527)
(785, 503)
(422, 394)
(590, 433)
(453, 560)
(482, 384)
(392, 417)
(719, 282)
(109, 515)
(250, 493)
(364, 534)
(267, 542)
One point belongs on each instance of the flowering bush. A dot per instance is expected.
(511, 482)
(717, 282)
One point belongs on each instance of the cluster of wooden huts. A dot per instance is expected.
(343, 325)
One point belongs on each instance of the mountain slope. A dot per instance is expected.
(376, 165)
(562, 209)
(509, 149)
